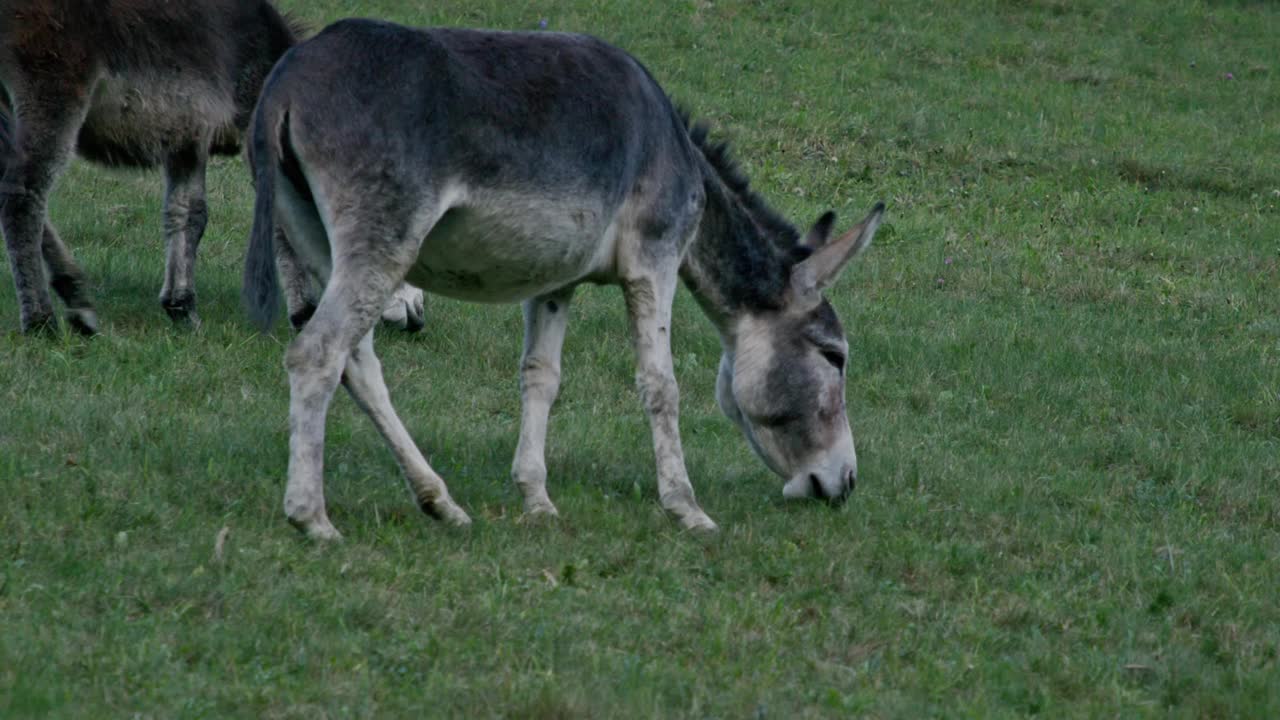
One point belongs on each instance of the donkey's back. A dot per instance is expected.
(498, 108)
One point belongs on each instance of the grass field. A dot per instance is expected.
(1063, 384)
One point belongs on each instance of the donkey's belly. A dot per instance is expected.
(484, 256)
(135, 118)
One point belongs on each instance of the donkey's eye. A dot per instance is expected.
(835, 358)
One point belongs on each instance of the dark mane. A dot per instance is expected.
(745, 249)
(718, 156)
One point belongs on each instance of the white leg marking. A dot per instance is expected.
(545, 320)
(363, 379)
(649, 307)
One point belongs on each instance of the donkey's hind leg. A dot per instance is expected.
(298, 283)
(185, 215)
(545, 320)
(315, 361)
(405, 309)
(68, 281)
(302, 276)
(356, 293)
(363, 379)
(301, 250)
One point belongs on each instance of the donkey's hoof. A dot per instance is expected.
(324, 533)
(40, 324)
(699, 523)
(187, 321)
(446, 511)
(318, 529)
(540, 511)
(181, 309)
(406, 310)
(543, 507)
(83, 321)
(536, 503)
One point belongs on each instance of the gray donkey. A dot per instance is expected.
(139, 83)
(499, 167)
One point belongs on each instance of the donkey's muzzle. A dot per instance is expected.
(837, 498)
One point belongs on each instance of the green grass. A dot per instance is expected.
(1063, 385)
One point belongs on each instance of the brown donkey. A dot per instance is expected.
(139, 83)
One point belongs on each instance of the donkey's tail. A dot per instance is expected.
(261, 287)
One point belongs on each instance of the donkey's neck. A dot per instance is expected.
(731, 266)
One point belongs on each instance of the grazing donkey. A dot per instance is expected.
(497, 167)
(126, 83)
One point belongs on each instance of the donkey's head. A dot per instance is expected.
(783, 381)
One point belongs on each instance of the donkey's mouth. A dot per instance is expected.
(834, 491)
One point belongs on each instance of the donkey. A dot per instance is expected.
(499, 167)
(139, 83)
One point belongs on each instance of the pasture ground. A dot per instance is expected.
(1063, 385)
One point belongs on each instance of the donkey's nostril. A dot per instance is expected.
(846, 489)
(815, 486)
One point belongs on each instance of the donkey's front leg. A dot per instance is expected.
(545, 320)
(185, 217)
(649, 307)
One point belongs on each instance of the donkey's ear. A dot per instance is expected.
(820, 232)
(815, 273)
